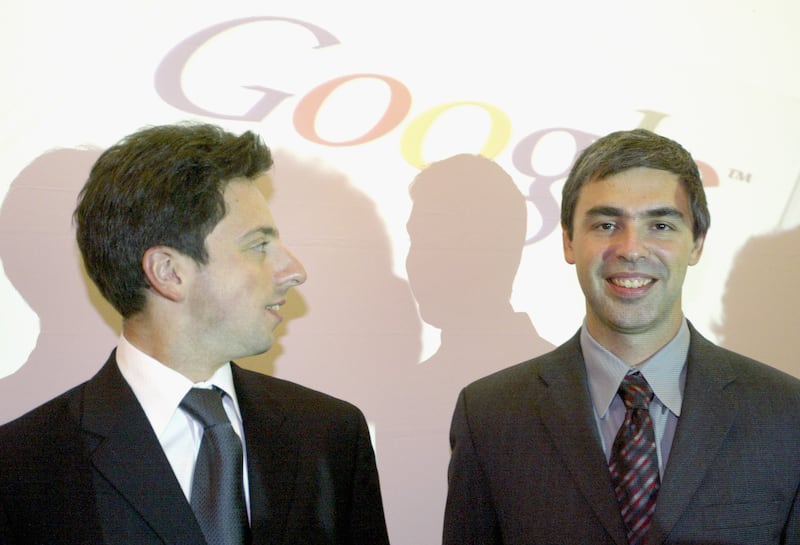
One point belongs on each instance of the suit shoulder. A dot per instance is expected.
(41, 419)
(41, 435)
(762, 376)
(744, 367)
(501, 382)
(295, 397)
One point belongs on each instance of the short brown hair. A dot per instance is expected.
(162, 185)
(623, 150)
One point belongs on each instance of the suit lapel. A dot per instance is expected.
(568, 415)
(708, 412)
(272, 456)
(129, 456)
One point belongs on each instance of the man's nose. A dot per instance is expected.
(632, 245)
(290, 271)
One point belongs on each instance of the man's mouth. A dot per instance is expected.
(631, 283)
(273, 307)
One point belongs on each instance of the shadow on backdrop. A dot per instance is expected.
(359, 337)
(78, 328)
(761, 305)
(467, 232)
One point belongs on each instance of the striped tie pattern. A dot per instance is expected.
(634, 461)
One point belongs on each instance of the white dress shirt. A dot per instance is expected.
(160, 390)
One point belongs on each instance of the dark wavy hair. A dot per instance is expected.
(162, 185)
(623, 150)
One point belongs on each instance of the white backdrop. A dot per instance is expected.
(357, 99)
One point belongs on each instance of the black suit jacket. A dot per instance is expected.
(527, 466)
(87, 468)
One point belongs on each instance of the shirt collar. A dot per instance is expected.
(664, 371)
(160, 389)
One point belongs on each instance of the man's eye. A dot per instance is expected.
(606, 226)
(662, 227)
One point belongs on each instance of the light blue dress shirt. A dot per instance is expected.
(665, 371)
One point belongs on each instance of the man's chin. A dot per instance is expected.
(258, 348)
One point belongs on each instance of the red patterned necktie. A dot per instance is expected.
(634, 461)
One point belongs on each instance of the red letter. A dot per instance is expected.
(305, 115)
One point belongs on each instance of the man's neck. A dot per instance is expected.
(634, 348)
(157, 343)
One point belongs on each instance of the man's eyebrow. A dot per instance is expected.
(270, 232)
(610, 211)
(614, 212)
(664, 212)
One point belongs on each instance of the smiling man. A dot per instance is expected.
(637, 430)
(171, 442)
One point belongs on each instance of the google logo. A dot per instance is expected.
(169, 86)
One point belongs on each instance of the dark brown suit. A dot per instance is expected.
(527, 466)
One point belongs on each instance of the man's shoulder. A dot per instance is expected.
(746, 370)
(510, 378)
(290, 397)
(58, 407)
(43, 433)
(763, 377)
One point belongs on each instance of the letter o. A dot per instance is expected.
(414, 135)
(305, 114)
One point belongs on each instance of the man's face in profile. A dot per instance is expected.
(236, 297)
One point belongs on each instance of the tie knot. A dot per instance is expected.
(205, 405)
(635, 392)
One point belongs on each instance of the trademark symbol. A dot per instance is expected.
(738, 175)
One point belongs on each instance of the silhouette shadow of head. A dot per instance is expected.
(78, 327)
(467, 231)
(761, 304)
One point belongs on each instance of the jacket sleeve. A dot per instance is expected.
(470, 517)
(5, 531)
(791, 533)
(367, 521)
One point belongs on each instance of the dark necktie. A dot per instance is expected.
(217, 496)
(634, 461)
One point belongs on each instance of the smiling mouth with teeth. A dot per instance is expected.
(631, 282)
(273, 307)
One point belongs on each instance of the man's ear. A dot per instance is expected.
(164, 268)
(569, 254)
(697, 249)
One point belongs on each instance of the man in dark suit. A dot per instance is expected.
(540, 451)
(176, 233)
